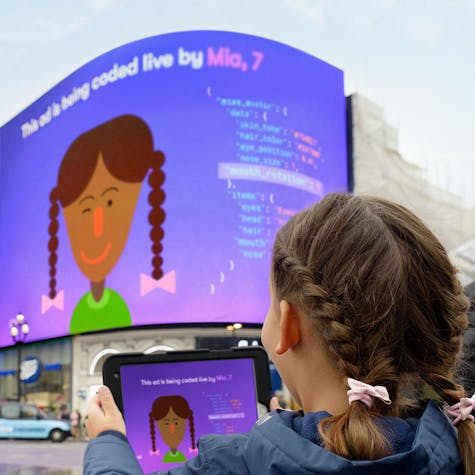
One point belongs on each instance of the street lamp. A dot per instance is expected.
(19, 330)
(232, 328)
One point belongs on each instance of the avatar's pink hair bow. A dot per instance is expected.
(462, 410)
(166, 283)
(366, 393)
(47, 303)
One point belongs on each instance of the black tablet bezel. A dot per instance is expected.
(111, 375)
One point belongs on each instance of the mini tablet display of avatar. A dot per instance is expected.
(170, 400)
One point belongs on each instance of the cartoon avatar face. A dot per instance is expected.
(172, 429)
(98, 222)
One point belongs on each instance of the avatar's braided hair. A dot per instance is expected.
(160, 408)
(126, 146)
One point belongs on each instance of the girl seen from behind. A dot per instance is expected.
(365, 322)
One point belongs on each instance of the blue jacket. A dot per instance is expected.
(285, 442)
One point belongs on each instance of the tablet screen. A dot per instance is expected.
(169, 406)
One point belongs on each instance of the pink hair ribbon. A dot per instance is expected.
(166, 283)
(462, 410)
(47, 303)
(366, 393)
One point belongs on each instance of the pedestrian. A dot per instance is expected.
(65, 415)
(76, 424)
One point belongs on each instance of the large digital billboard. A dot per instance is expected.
(146, 188)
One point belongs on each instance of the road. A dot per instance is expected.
(41, 457)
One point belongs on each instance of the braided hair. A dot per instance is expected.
(126, 146)
(160, 408)
(384, 298)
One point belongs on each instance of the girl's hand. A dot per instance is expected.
(274, 404)
(103, 414)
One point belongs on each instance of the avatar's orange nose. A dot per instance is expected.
(172, 428)
(98, 226)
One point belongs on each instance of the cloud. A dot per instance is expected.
(367, 16)
(215, 3)
(48, 23)
(314, 10)
(362, 21)
(40, 29)
(425, 31)
(105, 4)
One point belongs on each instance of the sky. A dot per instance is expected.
(414, 58)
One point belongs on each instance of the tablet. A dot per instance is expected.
(169, 400)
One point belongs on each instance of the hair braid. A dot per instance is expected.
(53, 242)
(156, 216)
(342, 433)
(152, 431)
(192, 430)
(438, 310)
(340, 264)
(325, 313)
(436, 369)
(451, 393)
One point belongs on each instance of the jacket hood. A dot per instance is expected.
(286, 442)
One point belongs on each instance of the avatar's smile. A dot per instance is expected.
(99, 258)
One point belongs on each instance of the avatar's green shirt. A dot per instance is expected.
(171, 457)
(110, 312)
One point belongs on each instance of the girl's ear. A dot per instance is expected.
(290, 329)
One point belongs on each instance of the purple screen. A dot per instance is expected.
(252, 131)
(221, 394)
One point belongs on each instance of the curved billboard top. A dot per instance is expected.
(146, 188)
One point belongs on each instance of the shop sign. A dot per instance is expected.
(30, 370)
